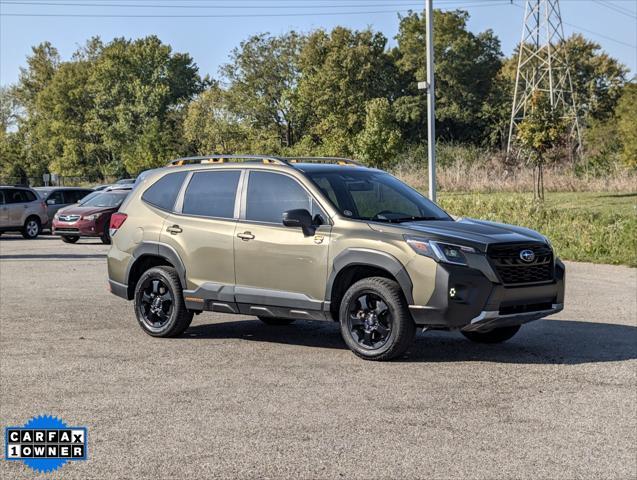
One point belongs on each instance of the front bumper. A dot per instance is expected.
(464, 298)
(80, 228)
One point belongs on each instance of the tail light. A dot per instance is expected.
(117, 220)
(43, 204)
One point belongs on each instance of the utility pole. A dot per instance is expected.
(543, 66)
(431, 101)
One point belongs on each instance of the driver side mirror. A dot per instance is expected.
(50, 202)
(299, 218)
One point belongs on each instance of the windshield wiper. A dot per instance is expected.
(412, 219)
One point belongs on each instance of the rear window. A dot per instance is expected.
(211, 194)
(163, 193)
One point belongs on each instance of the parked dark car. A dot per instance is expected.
(59, 197)
(89, 219)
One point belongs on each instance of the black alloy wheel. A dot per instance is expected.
(156, 303)
(159, 303)
(369, 320)
(375, 320)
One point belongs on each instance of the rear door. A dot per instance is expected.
(201, 229)
(17, 205)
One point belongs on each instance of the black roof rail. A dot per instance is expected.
(212, 159)
(336, 160)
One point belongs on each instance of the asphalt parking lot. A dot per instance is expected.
(236, 398)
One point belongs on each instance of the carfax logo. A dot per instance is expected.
(45, 443)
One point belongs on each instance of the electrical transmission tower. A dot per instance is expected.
(543, 67)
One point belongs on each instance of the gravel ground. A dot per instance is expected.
(236, 398)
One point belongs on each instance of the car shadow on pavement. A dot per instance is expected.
(549, 342)
(52, 256)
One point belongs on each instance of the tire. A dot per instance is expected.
(375, 321)
(168, 316)
(497, 335)
(70, 238)
(32, 228)
(276, 321)
(106, 237)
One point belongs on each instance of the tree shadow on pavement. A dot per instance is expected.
(550, 342)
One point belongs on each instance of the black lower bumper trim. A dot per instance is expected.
(462, 294)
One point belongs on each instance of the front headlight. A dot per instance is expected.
(57, 215)
(92, 218)
(439, 251)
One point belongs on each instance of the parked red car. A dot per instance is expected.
(88, 219)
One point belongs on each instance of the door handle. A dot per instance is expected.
(175, 229)
(245, 236)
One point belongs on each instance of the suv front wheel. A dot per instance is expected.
(375, 321)
(159, 303)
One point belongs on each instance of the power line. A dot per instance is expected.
(617, 9)
(592, 32)
(228, 15)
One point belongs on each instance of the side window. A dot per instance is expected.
(16, 196)
(164, 191)
(57, 197)
(271, 194)
(72, 196)
(29, 196)
(77, 196)
(1, 197)
(211, 194)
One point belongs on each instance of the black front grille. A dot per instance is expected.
(512, 270)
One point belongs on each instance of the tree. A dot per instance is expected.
(597, 78)
(468, 97)
(542, 129)
(262, 77)
(340, 72)
(626, 115)
(379, 141)
(211, 127)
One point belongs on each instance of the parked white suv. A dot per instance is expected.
(22, 210)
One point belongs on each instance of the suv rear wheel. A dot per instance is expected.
(375, 321)
(32, 228)
(159, 303)
(497, 335)
(276, 321)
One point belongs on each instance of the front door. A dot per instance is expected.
(277, 265)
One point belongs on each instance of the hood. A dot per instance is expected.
(80, 210)
(467, 231)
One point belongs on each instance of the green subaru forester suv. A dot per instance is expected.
(322, 239)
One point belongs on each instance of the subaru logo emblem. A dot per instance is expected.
(527, 256)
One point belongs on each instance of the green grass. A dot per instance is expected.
(583, 226)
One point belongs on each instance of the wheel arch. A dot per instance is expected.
(354, 264)
(148, 255)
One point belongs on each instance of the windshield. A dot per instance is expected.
(109, 199)
(375, 195)
(88, 197)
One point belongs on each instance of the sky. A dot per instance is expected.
(210, 29)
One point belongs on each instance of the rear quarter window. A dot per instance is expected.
(163, 193)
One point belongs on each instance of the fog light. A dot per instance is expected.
(452, 292)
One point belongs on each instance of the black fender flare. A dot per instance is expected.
(162, 250)
(371, 258)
